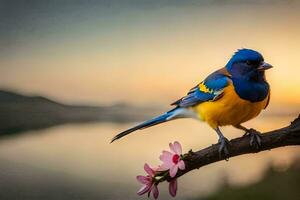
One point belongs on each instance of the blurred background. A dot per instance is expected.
(75, 73)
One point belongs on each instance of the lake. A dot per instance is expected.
(77, 161)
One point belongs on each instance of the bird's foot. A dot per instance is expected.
(255, 137)
(223, 148)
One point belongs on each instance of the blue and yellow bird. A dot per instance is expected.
(231, 95)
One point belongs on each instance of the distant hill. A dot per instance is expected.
(20, 113)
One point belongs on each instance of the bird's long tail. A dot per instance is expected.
(170, 115)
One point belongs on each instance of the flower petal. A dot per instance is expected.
(155, 169)
(168, 163)
(172, 147)
(143, 179)
(166, 155)
(148, 169)
(173, 170)
(162, 168)
(144, 189)
(173, 187)
(166, 158)
(165, 167)
(181, 165)
(155, 191)
(177, 148)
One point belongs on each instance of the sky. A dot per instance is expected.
(142, 52)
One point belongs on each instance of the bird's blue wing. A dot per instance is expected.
(210, 89)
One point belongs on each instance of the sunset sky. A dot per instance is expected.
(143, 52)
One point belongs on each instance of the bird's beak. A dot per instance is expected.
(264, 66)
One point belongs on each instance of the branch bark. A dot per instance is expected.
(286, 136)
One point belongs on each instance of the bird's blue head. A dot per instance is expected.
(247, 64)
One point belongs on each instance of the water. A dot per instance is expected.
(79, 158)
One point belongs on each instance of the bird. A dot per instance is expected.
(230, 95)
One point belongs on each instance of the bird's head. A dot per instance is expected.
(247, 63)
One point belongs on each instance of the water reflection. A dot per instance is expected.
(83, 153)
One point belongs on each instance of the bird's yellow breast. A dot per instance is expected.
(230, 109)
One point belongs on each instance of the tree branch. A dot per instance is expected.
(286, 136)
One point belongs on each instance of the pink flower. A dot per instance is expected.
(172, 160)
(148, 182)
(173, 187)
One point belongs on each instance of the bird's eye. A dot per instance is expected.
(248, 62)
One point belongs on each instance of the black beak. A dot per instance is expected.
(264, 66)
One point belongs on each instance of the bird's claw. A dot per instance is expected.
(223, 148)
(255, 137)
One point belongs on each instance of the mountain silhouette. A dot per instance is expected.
(20, 113)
